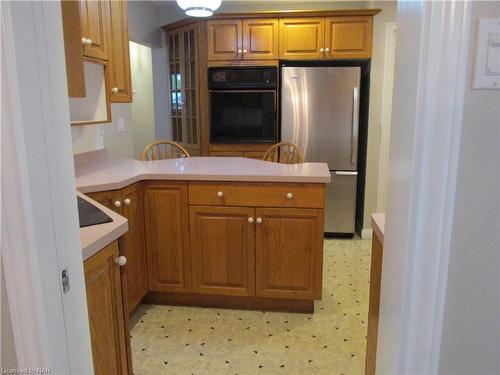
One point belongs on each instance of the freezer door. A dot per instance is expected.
(320, 113)
(340, 205)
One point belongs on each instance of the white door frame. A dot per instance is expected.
(431, 57)
(39, 213)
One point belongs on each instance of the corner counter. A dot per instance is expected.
(217, 223)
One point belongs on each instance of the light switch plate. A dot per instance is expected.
(487, 59)
(121, 125)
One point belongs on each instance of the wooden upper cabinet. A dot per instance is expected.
(260, 39)
(289, 253)
(301, 38)
(132, 245)
(106, 319)
(224, 39)
(348, 37)
(222, 250)
(167, 236)
(94, 22)
(119, 57)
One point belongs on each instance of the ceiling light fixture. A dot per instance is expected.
(199, 8)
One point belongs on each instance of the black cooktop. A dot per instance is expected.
(88, 214)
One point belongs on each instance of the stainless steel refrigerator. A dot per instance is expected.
(320, 113)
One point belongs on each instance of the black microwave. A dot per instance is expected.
(243, 105)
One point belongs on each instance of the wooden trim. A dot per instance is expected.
(230, 302)
(107, 93)
(374, 306)
(203, 99)
(241, 147)
(279, 14)
(215, 63)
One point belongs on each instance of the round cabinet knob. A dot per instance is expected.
(244, 51)
(321, 50)
(117, 204)
(250, 220)
(84, 41)
(121, 260)
(114, 90)
(220, 194)
(127, 201)
(259, 220)
(89, 42)
(239, 51)
(327, 50)
(289, 195)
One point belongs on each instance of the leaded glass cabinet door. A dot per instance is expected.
(176, 102)
(183, 58)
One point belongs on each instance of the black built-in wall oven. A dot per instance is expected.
(243, 104)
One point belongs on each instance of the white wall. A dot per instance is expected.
(143, 115)
(471, 333)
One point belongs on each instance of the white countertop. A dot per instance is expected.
(110, 174)
(378, 226)
(96, 237)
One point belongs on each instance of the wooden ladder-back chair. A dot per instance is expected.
(284, 153)
(164, 149)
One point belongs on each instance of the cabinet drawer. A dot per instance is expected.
(257, 194)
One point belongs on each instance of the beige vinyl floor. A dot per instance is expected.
(187, 340)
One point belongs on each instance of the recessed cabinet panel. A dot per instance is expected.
(94, 23)
(119, 56)
(260, 39)
(301, 38)
(132, 245)
(222, 248)
(224, 39)
(289, 253)
(105, 309)
(167, 236)
(349, 37)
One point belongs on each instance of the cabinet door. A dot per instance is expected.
(119, 56)
(224, 40)
(132, 245)
(222, 248)
(289, 253)
(301, 38)
(110, 199)
(94, 23)
(73, 48)
(349, 37)
(104, 304)
(167, 236)
(260, 39)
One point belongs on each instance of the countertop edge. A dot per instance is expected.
(187, 177)
(96, 237)
(378, 226)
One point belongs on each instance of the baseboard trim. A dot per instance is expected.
(230, 302)
(366, 234)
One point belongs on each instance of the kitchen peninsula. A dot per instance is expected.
(218, 232)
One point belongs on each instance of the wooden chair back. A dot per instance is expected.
(164, 149)
(284, 153)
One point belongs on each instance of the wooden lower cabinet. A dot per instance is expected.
(222, 250)
(128, 202)
(106, 315)
(289, 253)
(167, 236)
(132, 245)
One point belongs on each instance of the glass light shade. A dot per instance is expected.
(199, 8)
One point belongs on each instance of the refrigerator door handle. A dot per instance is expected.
(355, 125)
(346, 173)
